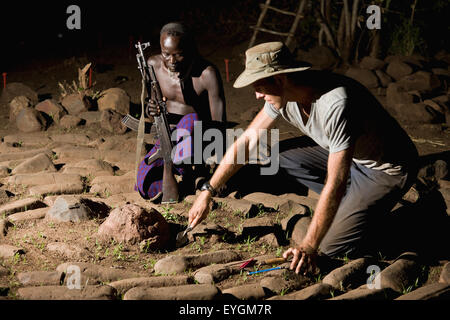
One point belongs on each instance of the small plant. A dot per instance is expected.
(284, 291)
(318, 278)
(168, 215)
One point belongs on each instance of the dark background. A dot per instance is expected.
(37, 30)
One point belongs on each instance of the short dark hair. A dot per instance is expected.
(178, 29)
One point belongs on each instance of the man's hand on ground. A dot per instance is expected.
(304, 258)
(199, 209)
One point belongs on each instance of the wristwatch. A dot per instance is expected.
(207, 186)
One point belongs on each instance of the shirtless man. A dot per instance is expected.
(193, 91)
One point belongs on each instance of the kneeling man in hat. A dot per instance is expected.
(361, 161)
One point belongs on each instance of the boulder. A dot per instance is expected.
(15, 89)
(372, 63)
(114, 99)
(52, 108)
(252, 291)
(111, 121)
(124, 285)
(30, 120)
(132, 224)
(21, 205)
(7, 251)
(69, 121)
(75, 103)
(396, 94)
(421, 81)
(350, 275)
(416, 113)
(68, 209)
(16, 105)
(364, 76)
(320, 57)
(401, 274)
(398, 69)
(91, 117)
(445, 274)
(318, 291)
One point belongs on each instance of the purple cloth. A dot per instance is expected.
(149, 177)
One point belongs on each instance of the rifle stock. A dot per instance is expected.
(170, 185)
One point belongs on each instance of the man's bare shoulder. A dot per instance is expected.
(155, 60)
(209, 74)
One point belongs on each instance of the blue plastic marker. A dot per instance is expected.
(271, 269)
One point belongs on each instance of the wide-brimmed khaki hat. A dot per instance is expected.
(266, 60)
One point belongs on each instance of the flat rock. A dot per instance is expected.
(108, 185)
(318, 291)
(242, 207)
(184, 292)
(305, 201)
(98, 292)
(434, 291)
(180, 263)
(27, 140)
(56, 189)
(266, 199)
(364, 293)
(8, 251)
(76, 153)
(257, 226)
(124, 285)
(21, 205)
(94, 165)
(28, 215)
(445, 274)
(132, 224)
(38, 163)
(351, 275)
(91, 117)
(71, 138)
(70, 251)
(34, 179)
(252, 291)
(41, 278)
(95, 273)
(23, 154)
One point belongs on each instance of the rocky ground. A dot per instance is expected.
(68, 208)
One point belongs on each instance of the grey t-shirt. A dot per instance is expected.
(337, 120)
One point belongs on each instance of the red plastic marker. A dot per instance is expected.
(226, 69)
(90, 77)
(4, 80)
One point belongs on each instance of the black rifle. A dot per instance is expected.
(170, 186)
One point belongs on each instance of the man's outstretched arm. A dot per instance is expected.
(229, 166)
